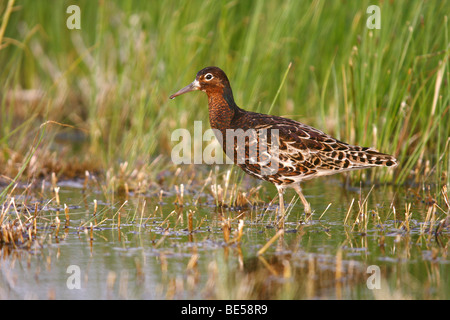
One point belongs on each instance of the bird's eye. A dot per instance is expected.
(209, 76)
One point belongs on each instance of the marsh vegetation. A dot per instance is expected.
(86, 177)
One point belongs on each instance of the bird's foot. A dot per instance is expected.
(308, 210)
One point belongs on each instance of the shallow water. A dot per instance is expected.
(152, 254)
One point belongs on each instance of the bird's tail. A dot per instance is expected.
(371, 157)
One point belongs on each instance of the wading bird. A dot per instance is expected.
(299, 152)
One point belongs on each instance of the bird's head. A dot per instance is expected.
(210, 80)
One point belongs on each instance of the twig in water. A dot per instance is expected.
(269, 243)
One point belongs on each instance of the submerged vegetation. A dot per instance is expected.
(85, 145)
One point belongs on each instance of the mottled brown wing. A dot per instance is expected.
(303, 151)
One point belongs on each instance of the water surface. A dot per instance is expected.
(152, 254)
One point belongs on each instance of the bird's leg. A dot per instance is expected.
(281, 200)
(302, 197)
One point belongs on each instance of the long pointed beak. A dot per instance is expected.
(190, 87)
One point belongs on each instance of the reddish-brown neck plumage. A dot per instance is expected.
(222, 107)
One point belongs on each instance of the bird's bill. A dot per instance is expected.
(190, 87)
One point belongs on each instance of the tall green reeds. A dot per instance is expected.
(386, 87)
